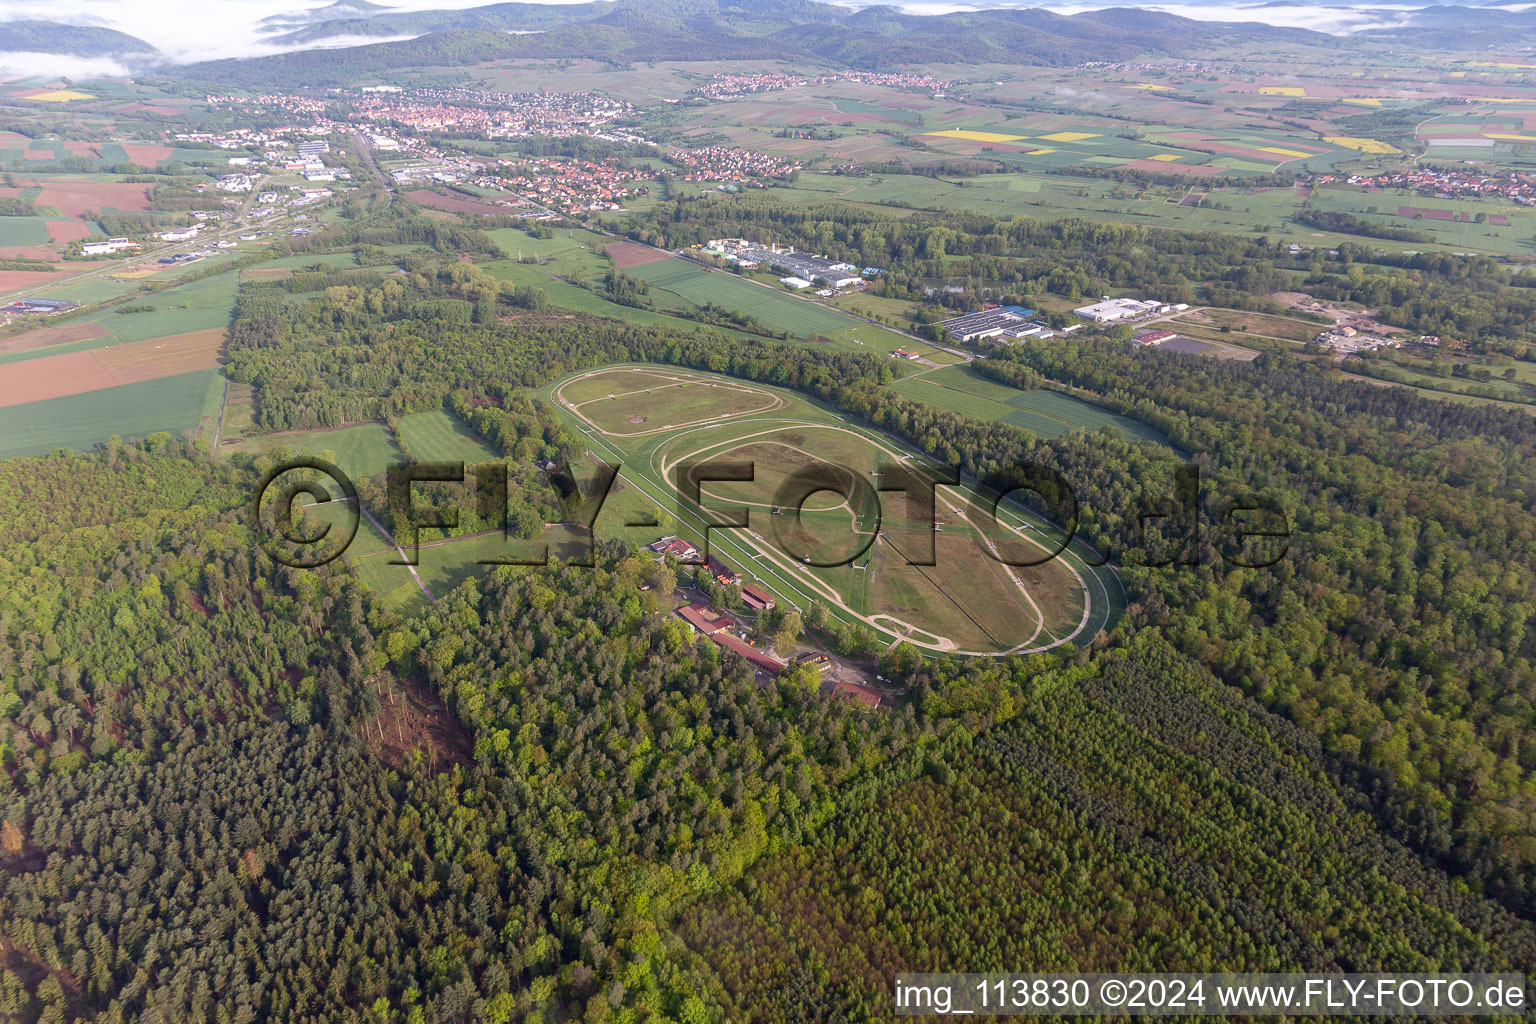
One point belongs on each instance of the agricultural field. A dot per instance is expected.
(1243, 322)
(174, 404)
(77, 372)
(516, 241)
(838, 552)
(881, 339)
(1228, 206)
(202, 308)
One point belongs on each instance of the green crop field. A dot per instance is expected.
(441, 437)
(196, 306)
(23, 231)
(573, 297)
(515, 240)
(959, 389)
(881, 339)
(173, 404)
(85, 292)
(444, 564)
(774, 309)
(306, 260)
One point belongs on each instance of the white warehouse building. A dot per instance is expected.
(1111, 310)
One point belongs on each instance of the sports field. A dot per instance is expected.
(848, 549)
(774, 309)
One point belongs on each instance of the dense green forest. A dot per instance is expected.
(235, 791)
(1128, 817)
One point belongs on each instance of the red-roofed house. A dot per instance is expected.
(702, 619)
(1153, 337)
(723, 573)
(746, 650)
(756, 597)
(676, 547)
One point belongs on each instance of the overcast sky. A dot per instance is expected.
(190, 30)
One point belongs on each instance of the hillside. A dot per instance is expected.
(650, 30)
(73, 40)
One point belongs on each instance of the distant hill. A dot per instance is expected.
(628, 31)
(73, 40)
(341, 10)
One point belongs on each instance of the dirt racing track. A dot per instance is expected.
(964, 601)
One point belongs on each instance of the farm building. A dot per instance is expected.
(676, 547)
(1111, 310)
(724, 574)
(1003, 321)
(757, 598)
(701, 618)
(759, 660)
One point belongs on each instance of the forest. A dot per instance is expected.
(237, 791)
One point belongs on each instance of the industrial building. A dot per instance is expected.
(1001, 321)
(801, 265)
(46, 306)
(111, 245)
(1153, 337)
(1111, 310)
